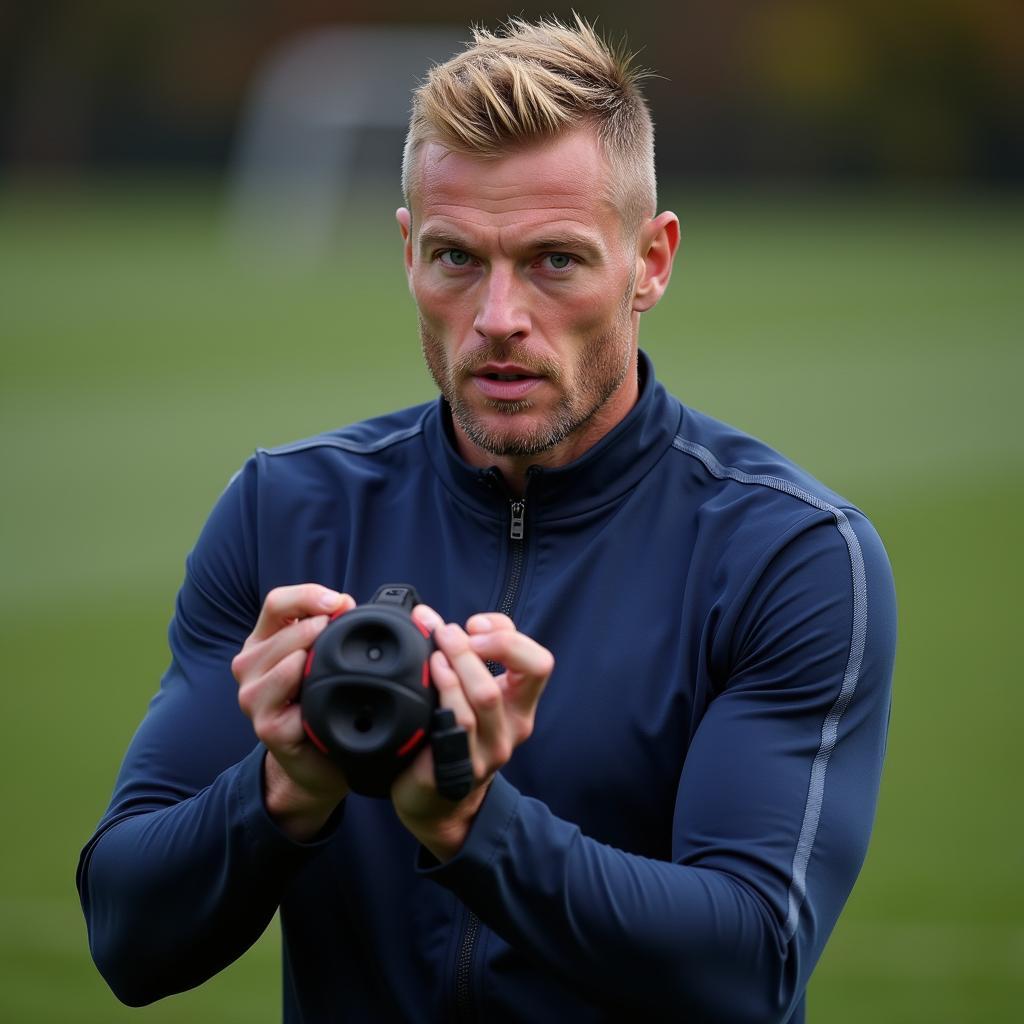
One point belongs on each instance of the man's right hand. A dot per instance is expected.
(301, 786)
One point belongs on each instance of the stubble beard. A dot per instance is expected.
(601, 367)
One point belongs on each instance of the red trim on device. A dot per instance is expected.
(313, 736)
(426, 674)
(408, 744)
(309, 663)
(340, 611)
(423, 629)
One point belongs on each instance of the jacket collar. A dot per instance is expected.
(603, 473)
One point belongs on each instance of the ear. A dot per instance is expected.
(656, 251)
(404, 218)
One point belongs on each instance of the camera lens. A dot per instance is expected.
(371, 643)
(363, 718)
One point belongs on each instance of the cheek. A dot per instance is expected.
(439, 304)
(583, 312)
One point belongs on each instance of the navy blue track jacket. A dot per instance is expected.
(674, 841)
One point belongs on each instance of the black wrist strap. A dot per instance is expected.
(453, 768)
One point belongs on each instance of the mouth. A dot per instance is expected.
(505, 371)
(506, 383)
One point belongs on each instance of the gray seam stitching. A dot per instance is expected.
(355, 447)
(858, 637)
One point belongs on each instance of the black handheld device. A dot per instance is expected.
(368, 702)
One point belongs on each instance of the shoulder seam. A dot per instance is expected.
(777, 483)
(346, 445)
(858, 638)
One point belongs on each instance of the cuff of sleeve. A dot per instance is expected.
(270, 845)
(485, 838)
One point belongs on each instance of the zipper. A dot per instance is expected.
(517, 554)
(517, 526)
(517, 537)
(464, 968)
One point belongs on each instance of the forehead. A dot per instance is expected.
(565, 179)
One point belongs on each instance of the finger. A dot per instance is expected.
(489, 622)
(280, 729)
(528, 664)
(450, 693)
(481, 690)
(286, 604)
(257, 658)
(427, 617)
(266, 695)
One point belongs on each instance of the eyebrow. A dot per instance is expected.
(562, 242)
(430, 239)
(570, 242)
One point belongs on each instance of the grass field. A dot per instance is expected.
(876, 340)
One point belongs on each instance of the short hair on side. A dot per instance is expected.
(529, 82)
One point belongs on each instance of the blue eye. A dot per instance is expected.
(455, 257)
(559, 260)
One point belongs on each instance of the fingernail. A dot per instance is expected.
(431, 620)
(480, 622)
(330, 599)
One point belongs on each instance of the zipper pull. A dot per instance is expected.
(518, 526)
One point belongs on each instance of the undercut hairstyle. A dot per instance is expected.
(531, 82)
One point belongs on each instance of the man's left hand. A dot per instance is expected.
(496, 711)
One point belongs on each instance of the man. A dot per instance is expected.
(678, 835)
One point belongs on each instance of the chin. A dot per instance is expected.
(527, 436)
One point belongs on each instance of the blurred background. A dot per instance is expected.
(198, 256)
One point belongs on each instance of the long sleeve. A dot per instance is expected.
(774, 808)
(186, 868)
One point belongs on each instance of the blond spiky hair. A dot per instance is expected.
(530, 82)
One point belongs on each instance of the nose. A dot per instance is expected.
(501, 314)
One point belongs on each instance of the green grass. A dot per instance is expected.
(876, 340)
